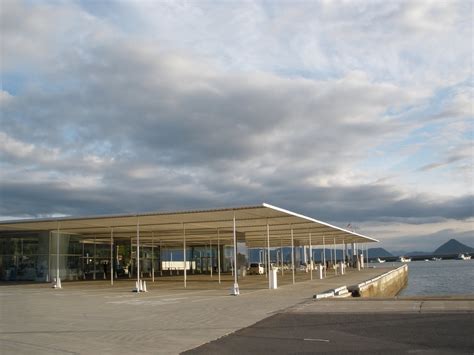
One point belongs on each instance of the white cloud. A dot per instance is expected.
(332, 108)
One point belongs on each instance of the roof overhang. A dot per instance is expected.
(200, 227)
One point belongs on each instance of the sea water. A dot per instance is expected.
(442, 277)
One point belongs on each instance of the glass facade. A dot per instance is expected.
(24, 256)
(42, 256)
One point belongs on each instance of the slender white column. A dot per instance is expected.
(236, 290)
(281, 255)
(268, 254)
(331, 254)
(130, 272)
(95, 252)
(138, 253)
(218, 255)
(292, 255)
(210, 254)
(58, 280)
(112, 257)
(184, 254)
(152, 257)
(324, 256)
(335, 258)
(265, 262)
(161, 259)
(49, 275)
(83, 266)
(367, 254)
(310, 256)
(343, 252)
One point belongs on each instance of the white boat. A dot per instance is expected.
(402, 259)
(436, 259)
(380, 260)
(464, 257)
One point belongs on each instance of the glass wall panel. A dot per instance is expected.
(23, 256)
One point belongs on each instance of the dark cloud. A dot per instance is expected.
(105, 121)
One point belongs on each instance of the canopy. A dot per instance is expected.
(255, 225)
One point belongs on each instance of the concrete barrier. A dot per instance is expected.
(385, 285)
(340, 292)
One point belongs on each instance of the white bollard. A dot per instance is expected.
(56, 283)
(144, 287)
(235, 290)
(273, 279)
(321, 272)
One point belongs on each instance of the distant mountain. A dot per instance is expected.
(379, 253)
(452, 246)
(400, 252)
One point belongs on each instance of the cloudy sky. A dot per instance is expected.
(354, 112)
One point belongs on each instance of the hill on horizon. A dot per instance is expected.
(379, 253)
(452, 246)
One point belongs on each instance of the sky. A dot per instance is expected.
(351, 112)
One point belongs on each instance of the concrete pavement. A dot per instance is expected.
(377, 333)
(96, 318)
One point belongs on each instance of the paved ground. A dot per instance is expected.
(95, 318)
(387, 333)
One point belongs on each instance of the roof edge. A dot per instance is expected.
(267, 205)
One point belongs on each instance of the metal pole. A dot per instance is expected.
(95, 252)
(152, 257)
(367, 255)
(265, 262)
(112, 257)
(292, 255)
(138, 254)
(324, 256)
(83, 266)
(268, 254)
(282, 256)
(130, 272)
(50, 255)
(335, 257)
(161, 262)
(58, 281)
(218, 255)
(236, 285)
(116, 259)
(210, 254)
(184, 254)
(310, 256)
(343, 252)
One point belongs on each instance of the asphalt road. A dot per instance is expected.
(387, 333)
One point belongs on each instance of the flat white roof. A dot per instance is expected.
(200, 227)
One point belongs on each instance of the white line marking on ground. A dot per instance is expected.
(322, 340)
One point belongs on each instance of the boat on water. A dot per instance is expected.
(436, 259)
(403, 259)
(380, 260)
(463, 257)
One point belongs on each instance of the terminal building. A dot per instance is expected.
(158, 244)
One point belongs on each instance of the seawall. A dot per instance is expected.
(385, 285)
